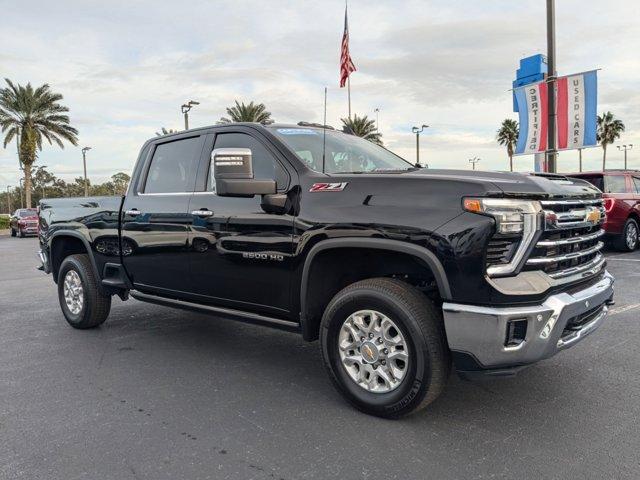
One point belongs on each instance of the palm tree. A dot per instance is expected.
(33, 114)
(163, 131)
(362, 127)
(609, 128)
(508, 136)
(248, 113)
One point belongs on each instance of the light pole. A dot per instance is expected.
(21, 192)
(84, 164)
(418, 131)
(185, 109)
(579, 159)
(473, 161)
(377, 110)
(551, 84)
(625, 148)
(9, 198)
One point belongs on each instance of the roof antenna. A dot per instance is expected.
(324, 128)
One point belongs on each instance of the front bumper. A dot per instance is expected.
(478, 335)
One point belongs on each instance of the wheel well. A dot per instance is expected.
(334, 269)
(61, 248)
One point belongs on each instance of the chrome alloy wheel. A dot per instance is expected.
(73, 293)
(373, 351)
(632, 236)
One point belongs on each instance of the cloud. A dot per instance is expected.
(126, 67)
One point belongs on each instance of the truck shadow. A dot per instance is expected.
(246, 359)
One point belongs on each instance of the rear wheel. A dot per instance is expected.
(384, 346)
(82, 303)
(628, 241)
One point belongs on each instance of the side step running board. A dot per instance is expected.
(224, 312)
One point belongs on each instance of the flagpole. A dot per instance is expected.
(349, 94)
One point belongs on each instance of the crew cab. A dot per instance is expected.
(401, 272)
(621, 193)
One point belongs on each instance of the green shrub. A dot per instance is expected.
(4, 222)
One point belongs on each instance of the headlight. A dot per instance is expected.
(509, 214)
(513, 218)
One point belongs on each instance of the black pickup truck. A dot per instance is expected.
(399, 271)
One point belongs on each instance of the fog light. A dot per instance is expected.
(516, 333)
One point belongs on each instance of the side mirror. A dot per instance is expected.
(233, 174)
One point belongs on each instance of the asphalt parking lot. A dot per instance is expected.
(157, 393)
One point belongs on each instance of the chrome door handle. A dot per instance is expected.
(133, 212)
(202, 213)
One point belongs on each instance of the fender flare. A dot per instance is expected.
(423, 254)
(85, 242)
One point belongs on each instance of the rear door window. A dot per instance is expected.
(173, 166)
(636, 183)
(615, 184)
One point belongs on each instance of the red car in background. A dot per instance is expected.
(24, 222)
(621, 192)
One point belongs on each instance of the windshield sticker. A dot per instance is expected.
(297, 131)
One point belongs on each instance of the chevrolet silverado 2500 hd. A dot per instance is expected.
(399, 271)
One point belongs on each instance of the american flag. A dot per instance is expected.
(346, 64)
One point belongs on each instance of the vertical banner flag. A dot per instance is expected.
(576, 103)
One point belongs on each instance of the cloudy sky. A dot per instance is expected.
(125, 68)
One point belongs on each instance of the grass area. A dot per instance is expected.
(4, 222)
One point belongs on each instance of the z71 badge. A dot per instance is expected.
(328, 187)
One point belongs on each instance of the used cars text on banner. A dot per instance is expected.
(576, 107)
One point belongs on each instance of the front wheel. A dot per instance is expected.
(82, 303)
(384, 346)
(13, 232)
(628, 241)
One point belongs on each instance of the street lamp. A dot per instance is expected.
(185, 109)
(625, 148)
(473, 161)
(377, 110)
(84, 164)
(418, 131)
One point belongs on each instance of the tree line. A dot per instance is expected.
(45, 184)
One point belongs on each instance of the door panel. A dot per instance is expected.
(241, 255)
(156, 223)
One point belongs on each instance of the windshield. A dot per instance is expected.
(343, 153)
(595, 180)
(27, 213)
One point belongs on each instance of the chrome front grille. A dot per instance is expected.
(570, 243)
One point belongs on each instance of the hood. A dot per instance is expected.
(513, 184)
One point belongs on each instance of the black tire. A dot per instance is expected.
(622, 243)
(13, 232)
(22, 234)
(96, 306)
(421, 325)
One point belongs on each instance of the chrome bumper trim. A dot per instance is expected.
(481, 331)
(569, 256)
(570, 240)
